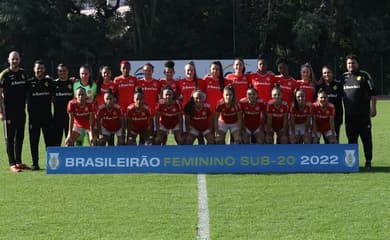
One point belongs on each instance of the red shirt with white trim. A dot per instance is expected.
(111, 119)
(139, 119)
(252, 114)
(169, 113)
(125, 87)
(228, 113)
(322, 116)
(278, 113)
(200, 120)
(81, 113)
(240, 84)
(263, 83)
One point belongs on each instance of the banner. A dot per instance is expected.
(204, 159)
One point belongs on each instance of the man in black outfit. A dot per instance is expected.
(39, 95)
(359, 99)
(12, 110)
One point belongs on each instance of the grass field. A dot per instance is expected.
(34, 205)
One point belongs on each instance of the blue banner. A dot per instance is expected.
(204, 159)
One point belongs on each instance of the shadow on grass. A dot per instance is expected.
(375, 169)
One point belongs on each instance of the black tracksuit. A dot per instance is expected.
(357, 91)
(14, 93)
(39, 96)
(63, 93)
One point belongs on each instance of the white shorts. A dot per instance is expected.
(224, 127)
(319, 134)
(299, 129)
(249, 132)
(164, 129)
(106, 132)
(196, 132)
(80, 130)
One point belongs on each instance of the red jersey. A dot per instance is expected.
(322, 116)
(111, 119)
(139, 119)
(169, 114)
(240, 84)
(287, 86)
(103, 89)
(277, 113)
(252, 114)
(263, 83)
(125, 88)
(200, 119)
(301, 115)
(186, 87)
(228, 114)
(309, 90)
(151, 90)
(81, 113)
(173, 84)
(213, 92)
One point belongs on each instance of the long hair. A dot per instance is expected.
(221, 78)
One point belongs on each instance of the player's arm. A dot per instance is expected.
(2, 113)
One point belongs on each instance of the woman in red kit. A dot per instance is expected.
(169, 72)
(253, 109)
(300, 119)
(286, 82)
(198, 118)
(238, 79)
(104, 85)
(110, 122)
(139, 120)
(125, 85)
(150, 87)
(277, 116)
(307, 82)
(323, 119)
(190, 83)
(81, 118)
(228, 116)
(263, 80)
(214, 82)
(169, 118)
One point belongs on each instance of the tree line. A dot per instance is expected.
(316, 31)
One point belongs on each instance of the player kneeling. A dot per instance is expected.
(323, 119)
(198, 118)
(253, 116)
(81, 118)
(109, 119)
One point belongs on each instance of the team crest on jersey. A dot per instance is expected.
(257, 108)
(268, 79)
(85, 109)
(46, 84)
(174, 110)
(70, 86)
(359, 78)
(143, 114)
(335, 87)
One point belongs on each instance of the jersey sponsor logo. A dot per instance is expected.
(352, 87)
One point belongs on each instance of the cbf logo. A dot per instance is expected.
(350, 159)
(53, 161)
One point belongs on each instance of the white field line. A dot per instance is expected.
(203, 209)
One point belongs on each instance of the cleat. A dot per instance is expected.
(23, 166)
(368, 166)
(15, 169)
(35, 168)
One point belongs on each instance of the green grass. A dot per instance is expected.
(34, 205)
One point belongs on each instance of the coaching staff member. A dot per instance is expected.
(359, 99)
(12, 110)
(39, 96)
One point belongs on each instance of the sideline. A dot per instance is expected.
(203, 209)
